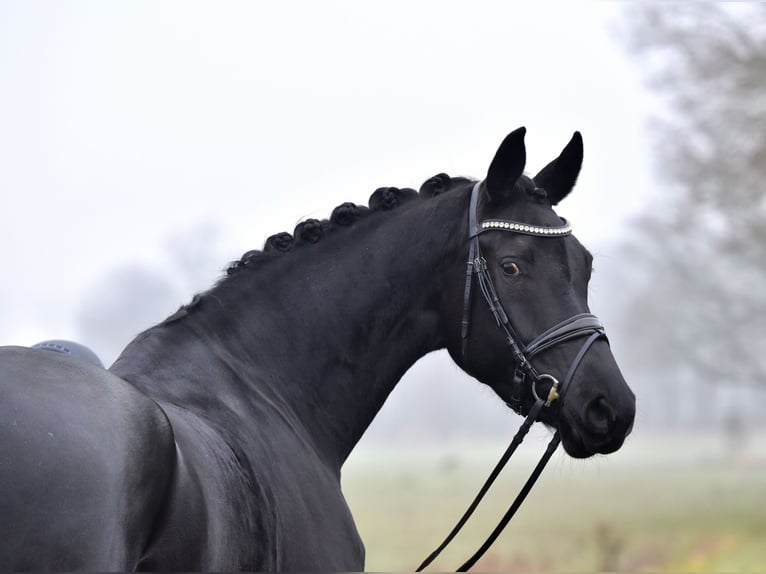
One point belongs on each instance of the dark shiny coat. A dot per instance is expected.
(216, 440)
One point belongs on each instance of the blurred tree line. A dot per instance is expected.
(697, 265)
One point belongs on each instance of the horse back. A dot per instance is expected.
(85, 463)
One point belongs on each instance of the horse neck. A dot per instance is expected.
(324, 333)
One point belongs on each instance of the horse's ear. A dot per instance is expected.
(507, 166)
(558, 177)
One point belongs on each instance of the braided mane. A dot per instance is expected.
(311, 231)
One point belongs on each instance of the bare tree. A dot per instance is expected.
(697, 263)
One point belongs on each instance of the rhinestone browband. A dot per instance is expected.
(515, 226)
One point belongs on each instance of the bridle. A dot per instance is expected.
(525, 374)
(570, 328)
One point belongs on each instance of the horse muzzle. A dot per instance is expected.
(600, 427)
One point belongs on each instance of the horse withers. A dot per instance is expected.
(216, 440)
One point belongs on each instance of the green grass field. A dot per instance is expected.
(660, 504)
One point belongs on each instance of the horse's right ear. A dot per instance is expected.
(507, 166)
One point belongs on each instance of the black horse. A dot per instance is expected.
(216, 440)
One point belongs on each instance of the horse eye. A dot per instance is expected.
(510, 268)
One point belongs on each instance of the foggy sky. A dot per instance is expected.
(160, 140)
(123, 125)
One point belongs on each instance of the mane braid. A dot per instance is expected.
(311, 231)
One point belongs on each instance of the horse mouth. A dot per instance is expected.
(579, 442)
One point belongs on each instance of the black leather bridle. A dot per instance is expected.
(525, 374)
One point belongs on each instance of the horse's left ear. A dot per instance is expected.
(558, 177)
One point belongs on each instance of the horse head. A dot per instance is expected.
(525, 321)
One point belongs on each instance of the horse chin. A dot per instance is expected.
(575, 447)
(580, 445)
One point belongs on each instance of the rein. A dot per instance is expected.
(525, 373)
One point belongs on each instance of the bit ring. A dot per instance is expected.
(553, 393)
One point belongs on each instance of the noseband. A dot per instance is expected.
(525, 374)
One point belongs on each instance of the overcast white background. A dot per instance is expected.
(133, 132)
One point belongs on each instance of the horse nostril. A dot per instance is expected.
(599, 416)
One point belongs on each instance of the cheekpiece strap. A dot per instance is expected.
(473, 227)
